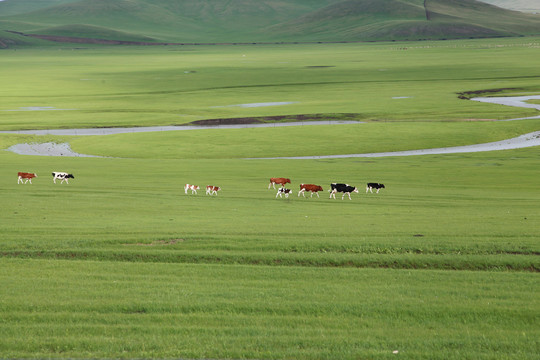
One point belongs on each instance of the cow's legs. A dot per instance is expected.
(301, 192)
(19, 179)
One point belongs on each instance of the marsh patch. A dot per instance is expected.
(275, 119)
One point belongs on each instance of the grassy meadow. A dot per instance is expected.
(120, 263)
(95, 87)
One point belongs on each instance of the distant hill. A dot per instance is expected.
(210, 21)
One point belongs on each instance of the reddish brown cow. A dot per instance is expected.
(25, 175)
(311, 188)
(280, 181)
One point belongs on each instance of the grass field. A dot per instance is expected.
(174, 85)
(120, 263)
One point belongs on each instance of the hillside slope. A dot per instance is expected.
(208, 21)
(368, 20)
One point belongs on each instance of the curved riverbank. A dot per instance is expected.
(523, 141)
(53, 149)
(516, 101)
(128, 130)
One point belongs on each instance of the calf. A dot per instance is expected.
(211, 190)
(371, 186)
(25, 175)
(64, 176)
(344, 188)
(282, 191)
(193, 188)
(281, 181)
(311, 188)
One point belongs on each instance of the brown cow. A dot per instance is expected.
(281, 181)
(311, 188)
(25, 175)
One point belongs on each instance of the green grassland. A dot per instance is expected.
(442, 264)
(120, 263)
(129, 310)
(136, 86)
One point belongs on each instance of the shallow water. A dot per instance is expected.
(112, 131)
(46, 149)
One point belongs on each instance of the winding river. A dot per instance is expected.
(53, 149)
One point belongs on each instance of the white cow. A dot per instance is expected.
(282, 191)
(191, 187)
(64, 176)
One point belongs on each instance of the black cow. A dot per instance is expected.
(344, 188)
(282, 191)
(371, 186)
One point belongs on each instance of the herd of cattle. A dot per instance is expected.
(24, 177)
(346, 189)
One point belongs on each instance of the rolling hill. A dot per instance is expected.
(210, 21)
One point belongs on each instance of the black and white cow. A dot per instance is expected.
(282, 191)
(371, 186)
(343, 188)
(64, 176)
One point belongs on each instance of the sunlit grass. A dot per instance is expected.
(120, 263)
